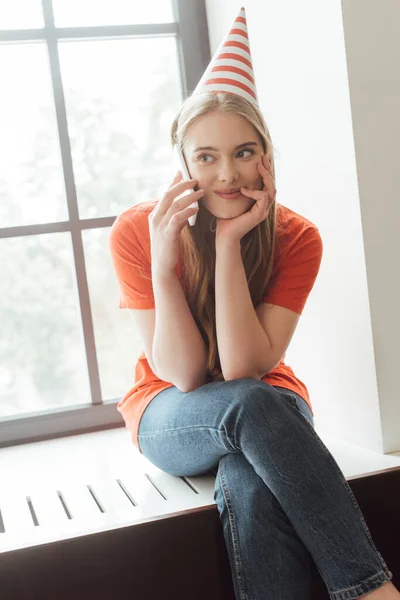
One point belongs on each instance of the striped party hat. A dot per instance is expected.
(231, 69)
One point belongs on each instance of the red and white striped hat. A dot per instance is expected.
(231, 69)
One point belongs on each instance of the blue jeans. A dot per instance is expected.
(280, 494)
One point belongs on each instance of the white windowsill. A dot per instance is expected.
(101, 460)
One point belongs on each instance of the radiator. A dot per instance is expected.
(54, 506)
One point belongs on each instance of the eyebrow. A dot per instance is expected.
(216, 149)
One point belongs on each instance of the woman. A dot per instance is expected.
(216, 306)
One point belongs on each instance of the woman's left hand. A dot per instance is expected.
(235, 229)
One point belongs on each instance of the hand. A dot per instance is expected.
(235, 229)
(166, 222)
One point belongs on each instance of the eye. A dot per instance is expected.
(246, 150)
(200, 157)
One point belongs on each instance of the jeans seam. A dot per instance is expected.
(235, 543)
(354, 502)
(227, 443)
(179, 429)
(359, 589)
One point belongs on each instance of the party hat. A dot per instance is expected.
(231, 69)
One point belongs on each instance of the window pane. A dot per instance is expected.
(21, 14)
(117, 343)
(31, 180)
(42, 358)
(122, 97)
(78, 13)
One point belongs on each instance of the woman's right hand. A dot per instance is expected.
(166, 222)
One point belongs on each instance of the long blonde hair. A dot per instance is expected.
(197, 245)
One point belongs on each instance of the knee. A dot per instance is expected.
(254, 395)
(255, 407)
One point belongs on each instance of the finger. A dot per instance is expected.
(177, 177)
(266, 163)
(179, 219)
(175, 190)
(255, 194)
(184, 202)
(267, 179)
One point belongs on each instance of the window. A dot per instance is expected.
(89, 91)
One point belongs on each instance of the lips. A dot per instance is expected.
(228, 195)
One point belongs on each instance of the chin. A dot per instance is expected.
(226, 214)
(230, 212)
(233, 215)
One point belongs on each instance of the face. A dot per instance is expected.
(222, 152)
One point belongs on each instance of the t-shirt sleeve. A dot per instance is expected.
(132, 266)
(297, 271)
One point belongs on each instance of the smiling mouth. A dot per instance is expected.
(229, 194)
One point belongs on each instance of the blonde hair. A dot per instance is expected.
(197, 253)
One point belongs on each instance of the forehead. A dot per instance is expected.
(221, 131)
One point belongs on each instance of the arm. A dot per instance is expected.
(158, 303)
(253, 341)
(243, 345)
(179, 351)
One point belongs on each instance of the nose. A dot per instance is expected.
(227, 171)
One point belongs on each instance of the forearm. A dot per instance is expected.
(179, 351)
(243, 344)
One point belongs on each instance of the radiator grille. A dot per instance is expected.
(58, 497)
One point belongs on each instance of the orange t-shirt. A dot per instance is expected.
(296, 264)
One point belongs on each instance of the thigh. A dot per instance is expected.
(180, 432)
(184, 434)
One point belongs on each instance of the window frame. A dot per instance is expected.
(190, 29)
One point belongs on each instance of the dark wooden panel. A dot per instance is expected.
(378, 495)
(181, 557)
(178, 557)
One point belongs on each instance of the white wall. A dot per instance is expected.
(304, 89)
(373, 58)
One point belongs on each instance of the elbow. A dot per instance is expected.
(249, 373)
(232, 376)
(194, 381)
(182, 386)
(188, 384)
(186, 388)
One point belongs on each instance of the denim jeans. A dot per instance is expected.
(280, 494)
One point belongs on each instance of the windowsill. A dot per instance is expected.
(129, 488)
